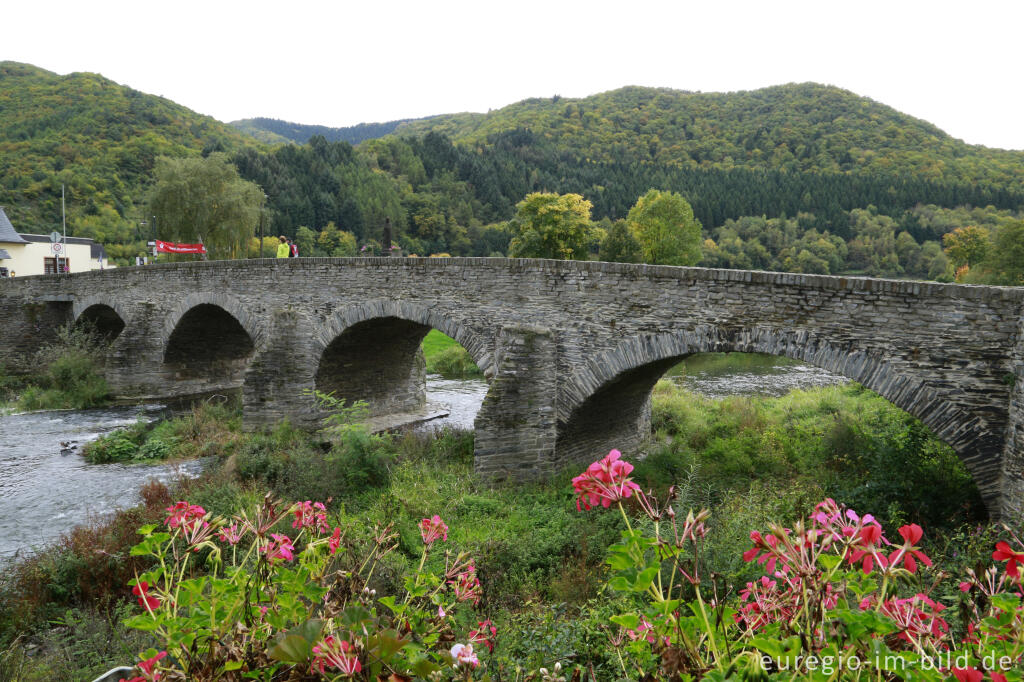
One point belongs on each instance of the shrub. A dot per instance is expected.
(453, 362)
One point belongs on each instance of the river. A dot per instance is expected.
(44, 493)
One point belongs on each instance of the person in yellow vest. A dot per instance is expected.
(283, 250)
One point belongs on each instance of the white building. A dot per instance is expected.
(33, 254)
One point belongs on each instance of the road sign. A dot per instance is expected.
(55, 236)
(56, 247)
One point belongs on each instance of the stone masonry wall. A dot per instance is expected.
(942, 352)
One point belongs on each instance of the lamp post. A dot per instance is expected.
(142, 231)
(154, 239)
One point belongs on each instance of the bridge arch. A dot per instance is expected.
(106, 315)
(371, 352)
(606, 402)
(208, 341)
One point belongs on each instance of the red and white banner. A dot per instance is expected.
(171, 247)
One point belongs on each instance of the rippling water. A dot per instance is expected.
(462, 396)
(719, 375)
(44, 493)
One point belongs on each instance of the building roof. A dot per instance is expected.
(45, 238)
(7, 233)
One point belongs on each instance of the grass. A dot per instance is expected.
(446, 357)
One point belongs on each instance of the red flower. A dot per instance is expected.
(335, 653)
(184, 515)
(604, 482)
(968, 675)
(335, 540)
(1006, 553)
(485, 634)
(147, 667)
(146, 601)
(911, 536)
(311, 515)
(279, 548)
(432, 529)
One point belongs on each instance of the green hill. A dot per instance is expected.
(97, 137)
(796, 127)
(273, 130)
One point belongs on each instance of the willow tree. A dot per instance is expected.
(204, 200)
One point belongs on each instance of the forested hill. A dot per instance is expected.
(97, 137)
(796, 127)
(273, 130)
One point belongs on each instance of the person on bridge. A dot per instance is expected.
(293, 249)
(283, 250)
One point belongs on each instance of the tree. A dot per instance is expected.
(305, 239)
(664, 224)
(1006, 262)
(203, 199)
(619, 245)
(551, 226)
(966, 245)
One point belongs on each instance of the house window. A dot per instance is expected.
(51, 266)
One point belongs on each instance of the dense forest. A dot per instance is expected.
(797, 177)
(275, 131)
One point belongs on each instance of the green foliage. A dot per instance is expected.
(620, 245)
(843, 441)
(453, 362)
(664, 226)
(72, 377)
(204, 200)
(551, 226)
(966, 245)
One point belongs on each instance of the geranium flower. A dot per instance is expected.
(968, 674)
(231, 534)
(335, 540)
(433, 528)
(335, 653)
(463, 655)
(146, 600)
(484, 634)
(311, 515)
(466, 585)
(1013, 558)
(147, 668)
(184, 515)
(604, 482)
(911, 536)
(279, 548)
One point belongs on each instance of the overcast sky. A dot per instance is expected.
(957, 65)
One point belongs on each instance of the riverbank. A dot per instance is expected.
(539, 561)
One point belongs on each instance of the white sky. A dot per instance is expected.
(957, 65)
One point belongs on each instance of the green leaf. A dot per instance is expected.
(630, 621)
(292, 649)
(232, 665)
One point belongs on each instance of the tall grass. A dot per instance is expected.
(72, 376)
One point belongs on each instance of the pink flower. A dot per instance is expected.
(1006, 553)
(441, 612)
(643, 631)
(279, 548)
(336, 654)
(433, 528)
(604, 482)
(484, 634)
(231, 534)
(311, 515)
(146, 600)
(466, 585)
(463, 655)
(335, 540)
(184, 515)
(911, 536)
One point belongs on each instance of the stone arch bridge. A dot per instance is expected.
(571, 349)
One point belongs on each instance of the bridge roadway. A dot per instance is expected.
(571, 349)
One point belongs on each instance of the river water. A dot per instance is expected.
(44, 492)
